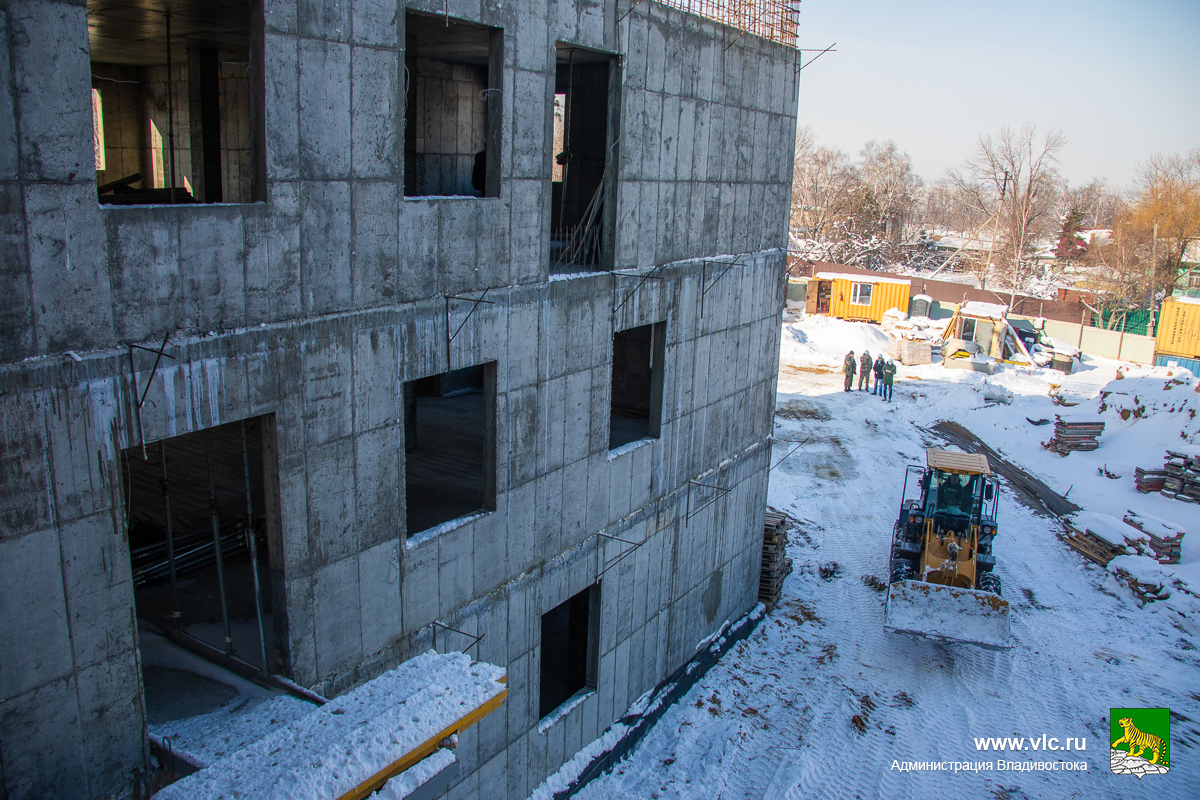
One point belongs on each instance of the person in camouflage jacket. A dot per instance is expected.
(864, 371)
(848, 367)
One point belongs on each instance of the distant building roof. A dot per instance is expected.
(975, 308)
(846, 276)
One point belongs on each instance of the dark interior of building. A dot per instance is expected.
(567, 650)
(636, 384)
(193, 502)
(449, 124)
(580, 138)
(447, 447)
(172, 111)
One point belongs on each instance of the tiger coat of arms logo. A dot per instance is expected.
(1141, 739)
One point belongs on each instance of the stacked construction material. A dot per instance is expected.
(1097, 537)
(1149, 480)
(775, 564)
(1183, 475)
(1074, 433)
(910, 351)
(1165, 538)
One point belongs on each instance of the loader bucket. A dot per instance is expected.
(947, 614)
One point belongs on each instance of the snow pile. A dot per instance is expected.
(827, 339)
(352, 738)
(207, 738)
(1142, 393)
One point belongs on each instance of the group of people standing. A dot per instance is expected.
(885, 372)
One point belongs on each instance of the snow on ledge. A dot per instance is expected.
(351, 738)
(547, 722)
(445, 527)
(629, 447)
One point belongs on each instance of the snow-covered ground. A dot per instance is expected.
(821, 703)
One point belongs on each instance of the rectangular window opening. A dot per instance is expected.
(205, 550)
(570, 639)
(452, 107)
(860, 294)
(579, 178)
(177, 101)
(449, 450)
(637, 384)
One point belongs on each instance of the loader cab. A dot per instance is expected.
(942, 553)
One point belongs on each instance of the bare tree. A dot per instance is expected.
(885, 171)
(822, 185)
(1014, 175)
(1098, 202)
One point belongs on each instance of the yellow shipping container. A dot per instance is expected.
(1179, 327)
(858, 297)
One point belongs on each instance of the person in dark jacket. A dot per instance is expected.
(848, 367)
(864, 371)
(889, 373)
(878, 369)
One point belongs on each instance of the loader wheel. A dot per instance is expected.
(903, 570)
(989, 582)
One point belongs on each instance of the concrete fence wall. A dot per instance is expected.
(1099, 342)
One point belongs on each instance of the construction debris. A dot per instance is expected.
(1183, 475)
(1074, 433)
(1165, 538)
(1138, 573)
(775, 564)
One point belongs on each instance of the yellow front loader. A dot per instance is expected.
(943, 586)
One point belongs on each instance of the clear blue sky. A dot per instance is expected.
(1121, 79)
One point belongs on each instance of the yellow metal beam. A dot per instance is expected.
(376, 782)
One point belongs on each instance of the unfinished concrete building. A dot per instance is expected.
(336, 332)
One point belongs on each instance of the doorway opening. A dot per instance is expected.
(580, 179)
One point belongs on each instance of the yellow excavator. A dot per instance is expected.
(943, 583)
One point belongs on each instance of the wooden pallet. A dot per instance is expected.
(775, 564)
(1090, 547)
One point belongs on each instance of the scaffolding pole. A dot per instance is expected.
(216, 529)
(252, 543)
